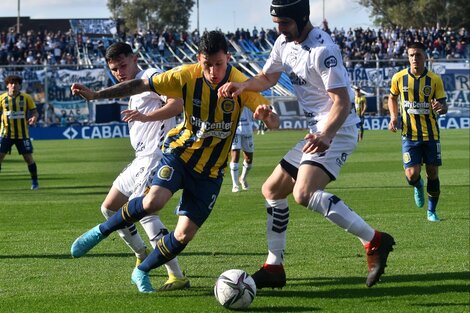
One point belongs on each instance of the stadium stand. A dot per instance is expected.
(81, 43)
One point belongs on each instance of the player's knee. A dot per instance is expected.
(302, 196)
(184, 237)
(152, 203)
(268, 190)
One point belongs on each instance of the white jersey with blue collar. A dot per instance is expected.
(314, 67)
(147, 137)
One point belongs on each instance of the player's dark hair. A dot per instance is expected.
(116, 49)
(11, 79)
(212, 42)
(416, 45)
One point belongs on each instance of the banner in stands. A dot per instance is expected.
(73, 110)
(120, 130)
(117, 130)
(292, 118)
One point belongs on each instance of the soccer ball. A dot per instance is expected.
(235, 289)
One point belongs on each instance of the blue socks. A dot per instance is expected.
(131, 212)
(434, 190)
(167, 248)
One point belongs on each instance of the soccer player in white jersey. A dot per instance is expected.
(314, 64)
(243, 140)
(149, 119)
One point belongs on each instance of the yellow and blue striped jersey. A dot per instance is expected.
(419, 121)
(203, 140)
(359, 103)
(14, 115)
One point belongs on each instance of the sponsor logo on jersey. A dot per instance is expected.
(197, 102)
(296, 80)
(165, 173)
(331, 61)
(220, 130)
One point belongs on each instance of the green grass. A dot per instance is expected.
(427, 272)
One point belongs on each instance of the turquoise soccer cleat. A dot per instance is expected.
(142, 280)
(432, 217)
(419, 195)
(86, 242)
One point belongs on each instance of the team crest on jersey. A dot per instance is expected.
(228, 105)
(331, 61)
(427, 91)
(165, 172)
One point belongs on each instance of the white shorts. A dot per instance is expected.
(136, 177)
(243, 142)
(330, 161)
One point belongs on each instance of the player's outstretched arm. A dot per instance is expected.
(266, 114)
(257, 83)
(121, 90)
(173, 107)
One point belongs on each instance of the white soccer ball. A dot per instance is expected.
(235, 289)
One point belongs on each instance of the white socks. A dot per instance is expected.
(337, 212)
(234, 173)
(246, 168)
(277, 220)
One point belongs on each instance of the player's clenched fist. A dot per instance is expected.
(82, 91)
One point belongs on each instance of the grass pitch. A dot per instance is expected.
(326, 268)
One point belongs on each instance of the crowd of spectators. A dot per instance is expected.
(359, 44)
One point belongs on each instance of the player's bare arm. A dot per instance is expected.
(121, 90)
(258, 83)
(34, 117)
(439, 106)
(172, 107)
(393, 108)
(340, 110)
(265, 113)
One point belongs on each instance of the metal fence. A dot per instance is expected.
(50, 87)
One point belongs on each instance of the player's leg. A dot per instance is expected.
(2, 157)
(25, 148)
(275, 190)
(412, 159)
(432, 158)
(114, 200)
(314, 174)
(5, 146)
(168, 174)
(155, 230)
(248, 148)
(235, 157)
(130, 213)
(166, 249)
(197, 200)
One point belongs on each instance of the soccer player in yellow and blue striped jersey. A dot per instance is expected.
(17, 112)
(422, 100)
(195, 152)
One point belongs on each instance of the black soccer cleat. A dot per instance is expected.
(377, 258)
(270, 276)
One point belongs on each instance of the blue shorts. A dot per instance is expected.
(199, 191)
(24, 146)
(419, 152)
